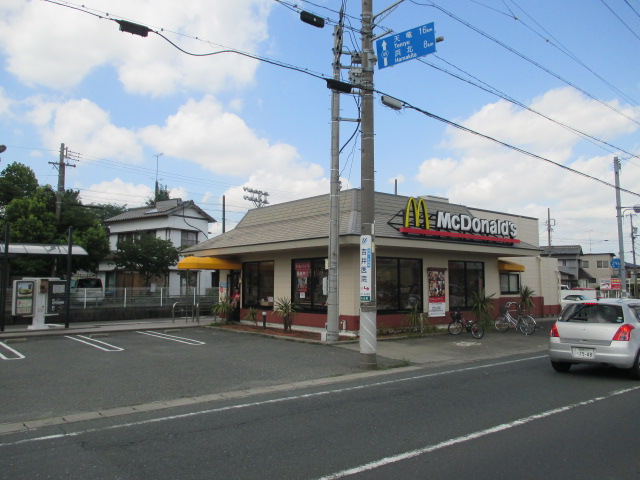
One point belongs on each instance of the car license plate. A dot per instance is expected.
(580, 352)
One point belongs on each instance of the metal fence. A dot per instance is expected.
(131, 297)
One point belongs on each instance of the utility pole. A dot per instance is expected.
(623, 271)
(550, 223)
(368, 340)
(333, 309)
(633, 251)
(65, 154)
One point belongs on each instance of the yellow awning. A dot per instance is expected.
(505, 266)
(208, 263)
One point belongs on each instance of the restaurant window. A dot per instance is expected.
(465, 280)
(257, 284)
(309, 283)
(509, 283)
(398, 283)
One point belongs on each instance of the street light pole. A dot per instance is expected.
(367, 190)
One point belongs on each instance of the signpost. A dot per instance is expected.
(407, 45)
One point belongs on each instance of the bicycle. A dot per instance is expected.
(525, 323)
(458, 324)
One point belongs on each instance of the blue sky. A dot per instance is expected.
(224, 122)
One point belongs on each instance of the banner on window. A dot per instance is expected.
(436, 292)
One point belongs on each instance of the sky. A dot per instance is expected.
(557, 80)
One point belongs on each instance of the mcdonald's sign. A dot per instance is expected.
(418, 221)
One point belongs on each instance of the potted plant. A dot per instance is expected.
(222, 309)
(286, 309)
(482, 306)
(415, 318)
(252, 315)
(526, 298)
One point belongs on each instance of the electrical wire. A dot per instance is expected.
(524, 57)
(507, 145)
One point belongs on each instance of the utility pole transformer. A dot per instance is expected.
(368, 340)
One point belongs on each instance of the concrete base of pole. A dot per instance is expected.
(368, 361)
(332, 337)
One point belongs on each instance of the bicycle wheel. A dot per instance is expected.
(526, 324)
(476, 330)
(501, 323)
(455, 328)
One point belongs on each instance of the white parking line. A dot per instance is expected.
(94, 343)
(173, 338)
(18, 355)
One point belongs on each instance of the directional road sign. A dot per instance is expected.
(400, 47)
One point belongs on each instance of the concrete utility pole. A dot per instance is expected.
(333, 309)
(368, 340)
(65, 154)
(623, 270)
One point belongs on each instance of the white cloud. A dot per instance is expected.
(41, 42)
(86, 127)
(486, 175)
(116, 192)
(221, 142)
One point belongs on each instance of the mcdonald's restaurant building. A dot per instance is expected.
(429, 252)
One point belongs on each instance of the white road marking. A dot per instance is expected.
(268, 402)
(174, 338)
(18, 355)
(465, 438)
(94, 343)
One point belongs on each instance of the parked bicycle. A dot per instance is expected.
(458, 324)
(525, 323)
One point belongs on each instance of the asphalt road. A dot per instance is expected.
(507, 417)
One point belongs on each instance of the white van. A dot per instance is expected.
(87, 288)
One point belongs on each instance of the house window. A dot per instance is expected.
(134, 236)
(398, 283)
(602, 264)
(509, 283)
(257, 284)
(465, 280)
(188, 239)
(309, 283)
(585, 264)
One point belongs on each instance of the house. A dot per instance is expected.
(570, 265)
(183, 223)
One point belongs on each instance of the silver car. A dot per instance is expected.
(604, 332)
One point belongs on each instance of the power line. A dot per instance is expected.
(504, 144)
(524, 57)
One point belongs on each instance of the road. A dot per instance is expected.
(509, 417)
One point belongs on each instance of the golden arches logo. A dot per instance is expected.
(419, 208)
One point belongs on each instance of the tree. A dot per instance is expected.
(148, 255)
(16, 181)
(161, 194)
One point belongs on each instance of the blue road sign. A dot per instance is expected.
(404, 46)
(615, 263)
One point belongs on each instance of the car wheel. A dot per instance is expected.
(561, 367)
(635, 370)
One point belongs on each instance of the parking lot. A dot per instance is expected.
(64, 374)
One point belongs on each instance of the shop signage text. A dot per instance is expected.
(455, 225)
